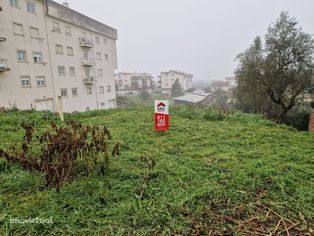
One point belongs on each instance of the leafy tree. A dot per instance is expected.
(276, 75)
(176, 89)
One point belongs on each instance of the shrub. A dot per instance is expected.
(65, 152)
(298, 120)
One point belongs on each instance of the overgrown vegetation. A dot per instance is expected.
(239, 174)
(63, 151)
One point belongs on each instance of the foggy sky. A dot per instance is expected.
(201, 37)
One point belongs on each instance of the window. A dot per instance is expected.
(59, 49)
(38, 57)
(18, 29)
(106, 56)
(101, 90)
(64, 92)
(56, 27)
(70, 51)
(74, 92)
(25, 81)
(109, 88)
(40, 81)
(72, 71)
(87, 73)
(21, 55)
(68, 31)
(105, 41)
(84, 34)
(100, 73)
(97, 39)
(30, 7)
(89, 90)
(14, 3)
(102, 104)
(85, 54)
(61, 70)
(98, 56)
(34, 32)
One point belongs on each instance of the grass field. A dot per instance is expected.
(213, 174)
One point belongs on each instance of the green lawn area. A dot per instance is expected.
(241, 174)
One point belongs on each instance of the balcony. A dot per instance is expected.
(84, 42)
(4, 66)
(88, 61)
(89, 80)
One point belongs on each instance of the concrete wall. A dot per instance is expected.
(11, 91)
(311, 122)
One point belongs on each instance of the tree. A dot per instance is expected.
(176, 89)
(279, 73)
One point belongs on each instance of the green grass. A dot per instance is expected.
(141, 100)
(206, 168)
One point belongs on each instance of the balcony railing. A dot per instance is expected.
(4, 65)
(89, 80)
(88, 61)
(84, 42)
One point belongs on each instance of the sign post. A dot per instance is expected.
(161, 115)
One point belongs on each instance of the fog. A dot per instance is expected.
(201, 37)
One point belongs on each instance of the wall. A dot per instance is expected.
(11, 91)
(311, 123)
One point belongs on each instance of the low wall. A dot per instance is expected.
(311, 123)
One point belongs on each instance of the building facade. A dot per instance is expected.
(50, 54)
(133, 83)
(167, 79)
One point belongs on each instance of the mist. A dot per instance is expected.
(201, 37)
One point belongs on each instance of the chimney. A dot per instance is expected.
(66, 4)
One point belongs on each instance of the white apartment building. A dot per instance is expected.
(50, 53)
(133, 83)
(167, 79)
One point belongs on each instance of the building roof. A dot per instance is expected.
(220, 84)
(194, 97)
(230, 78)
(176, 72)
(64, 13)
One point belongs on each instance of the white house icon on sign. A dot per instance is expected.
(161, 107)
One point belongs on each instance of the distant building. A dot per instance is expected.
(167, 79)
(231, 80)
(51, 53)
(224, 85)
(220, 85)
(133, 83)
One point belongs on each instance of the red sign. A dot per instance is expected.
(161, 115)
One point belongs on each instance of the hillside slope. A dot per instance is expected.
(219, 174)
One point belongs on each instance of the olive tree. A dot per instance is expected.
(281, 70)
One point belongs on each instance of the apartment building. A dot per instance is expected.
(134, 83)
(167, 79)
(51, 54)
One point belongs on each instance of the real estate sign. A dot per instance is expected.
(161, 115)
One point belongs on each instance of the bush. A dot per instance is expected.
(214, 115)
(298, 120)
(64, 152)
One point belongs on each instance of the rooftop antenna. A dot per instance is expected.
(65, 3)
